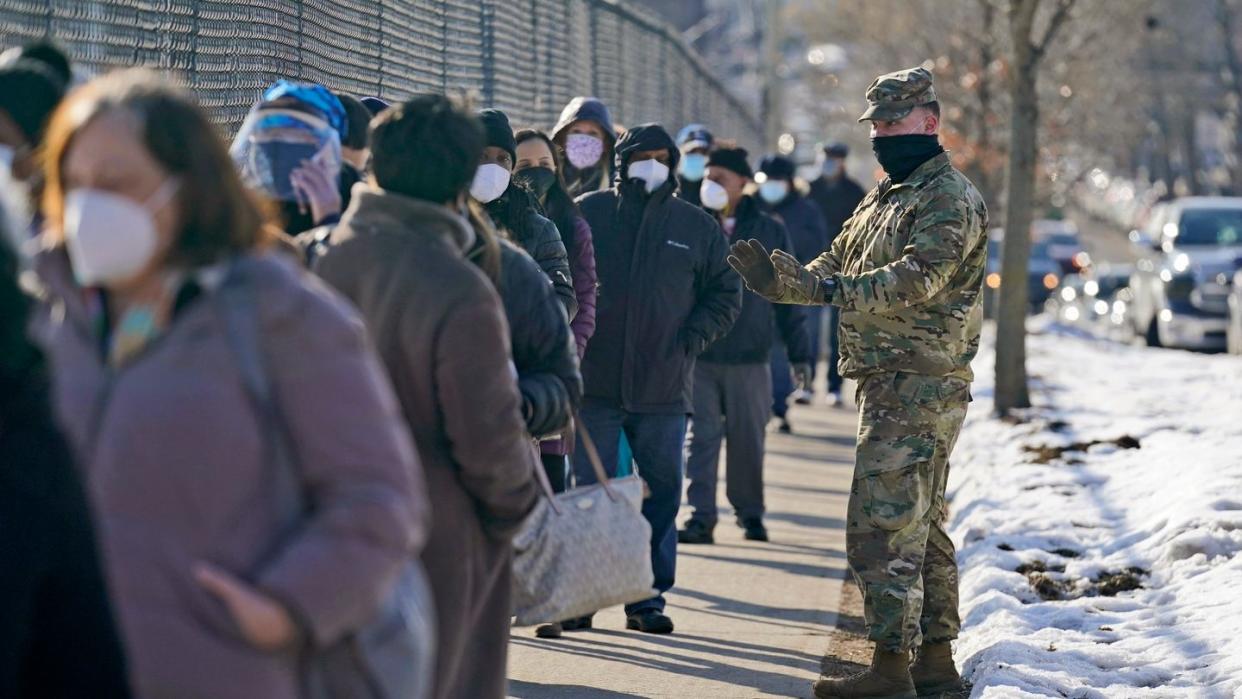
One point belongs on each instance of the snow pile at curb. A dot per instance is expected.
(1112, 568)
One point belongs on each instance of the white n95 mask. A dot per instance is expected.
(111, 237)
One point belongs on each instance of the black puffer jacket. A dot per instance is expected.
(665, 289)
(543, 243)
(543, 348)
(750, 340)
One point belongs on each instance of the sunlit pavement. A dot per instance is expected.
(751, 618)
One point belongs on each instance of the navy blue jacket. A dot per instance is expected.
(805, 222)
(665, 289)
(750, 340)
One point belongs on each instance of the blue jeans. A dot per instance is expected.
(782, 382)
(657, 442)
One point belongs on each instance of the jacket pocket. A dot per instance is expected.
(893, 500)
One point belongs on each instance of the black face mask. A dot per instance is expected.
(539, 179)
(902, 155)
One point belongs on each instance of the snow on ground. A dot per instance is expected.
(1086, 526)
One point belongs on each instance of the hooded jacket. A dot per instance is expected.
(750, 340)
(665, 289)
(595, 178)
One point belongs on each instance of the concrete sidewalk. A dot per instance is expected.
(752, 619)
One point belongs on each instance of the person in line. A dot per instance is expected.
(695, 143)
(289, 151)
(780, 195)
(539, 168)
(732, 390)
(52, 591)
(586, 134)
(29, 93)
(46, 53)
(908, 273)
(375, 105)
(666, 293)
(354, 153)
(837, 196)
(400, 255)
(217, 588)
(539, 335)
(515, 209)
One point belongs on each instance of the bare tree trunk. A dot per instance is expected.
(1190, 150)
(1233, 61)
(1011, 380)
(1027, 53)
(983, 131)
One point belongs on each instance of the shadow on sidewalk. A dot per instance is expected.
(808, 569)
(762, 613)
(533, 690)
(693, 656)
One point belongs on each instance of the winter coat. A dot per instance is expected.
(597, 177)
(586, 283)
(52, 594)
(441, 332)
(544, 244)
(665, 289)
(837, 199)
(688, 190)
(750, 340)
(178, 471)
(543, 347)
(808, 232)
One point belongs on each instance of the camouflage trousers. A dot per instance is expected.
(897, 548)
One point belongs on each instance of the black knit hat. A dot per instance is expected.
(731, 159)
(499, 133)
(777, 167)
(29, 92)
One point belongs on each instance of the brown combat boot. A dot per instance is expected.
(933, 670)
(887, 678)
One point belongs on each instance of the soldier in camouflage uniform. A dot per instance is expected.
(906, 272)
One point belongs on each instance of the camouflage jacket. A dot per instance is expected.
(909, 268)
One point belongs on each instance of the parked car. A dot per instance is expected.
(1043, 274)
(1064, 245)
(1188, 253)
(1096, 299)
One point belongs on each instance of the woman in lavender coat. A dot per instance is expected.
(215, 595)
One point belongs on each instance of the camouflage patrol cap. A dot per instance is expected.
(891, 97)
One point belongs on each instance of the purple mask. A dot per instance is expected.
(583, 150)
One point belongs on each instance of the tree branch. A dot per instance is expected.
(1059, 15)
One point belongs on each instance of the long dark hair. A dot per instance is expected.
(558, 205)
(512, 212)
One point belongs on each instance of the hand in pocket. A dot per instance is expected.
(263, 621)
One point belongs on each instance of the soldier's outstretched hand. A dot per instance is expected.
(750, 259)
(801, 285)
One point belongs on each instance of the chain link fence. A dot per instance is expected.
(527, 57)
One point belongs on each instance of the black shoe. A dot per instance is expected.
(650, 621)
(549, 630)
(582, 623)
(755, 531)
(696, 532)
(785, 427)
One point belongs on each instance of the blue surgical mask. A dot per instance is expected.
(693, 166)
(774, 191)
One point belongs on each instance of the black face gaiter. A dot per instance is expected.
(902, 155)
